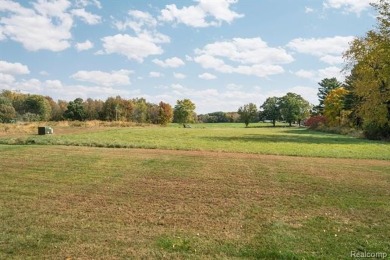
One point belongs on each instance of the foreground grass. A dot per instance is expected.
(78, 202)
(259, 139)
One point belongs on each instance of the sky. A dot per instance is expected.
(221, 54)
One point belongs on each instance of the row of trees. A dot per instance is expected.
(290, 108)
(219, 117)
(24, 107)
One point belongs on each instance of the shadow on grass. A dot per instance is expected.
(270, 126)
(293, 136)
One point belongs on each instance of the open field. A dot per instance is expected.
(84, 202)
(258, 139)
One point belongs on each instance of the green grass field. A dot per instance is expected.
(259, 138)
(62, 201)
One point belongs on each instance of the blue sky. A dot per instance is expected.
(221, 54)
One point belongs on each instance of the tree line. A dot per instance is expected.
(363, 100)
(16, 106)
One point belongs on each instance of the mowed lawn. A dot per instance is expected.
(258, 139)
(59, 202)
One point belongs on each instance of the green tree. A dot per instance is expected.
(17, 99)
(294, 108)
(352, 102)
(271, 109)
(75, 110)
(368, 59)
(183, 112)
(248, 113)
(93, 109)
(7, 111)
(111, 110)
(326, 85)
(305, 109)
(38, 105)
(140, 111)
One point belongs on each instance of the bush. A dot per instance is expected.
(315, 121)
(375, 132)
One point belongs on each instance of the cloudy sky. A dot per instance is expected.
(221, 54)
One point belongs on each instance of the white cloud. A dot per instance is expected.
(174, 62)
(308, 10)
(349, 6)
(44, 73)
(154, 74)
(137, 21)
(331, 72)
(58, 90)
(189, 58)
(220, 9)
(83, 46)
(13, 68)
(329, 50)
(207, 76)
(87, 17)
(49, 8)
(179, 75)
(199, 15)
(318, 75)
(84, 3)
(2, 36)
(308, 93)
(144, 26)
(6, 79)
(134, 48)
(307, 74)
(30, 85)
(53, 84)
(114, 78)
(46, 27)
(144, 43)
(233, 86)
(252, 57)
(332, 59)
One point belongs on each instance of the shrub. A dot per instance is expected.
(315, 121)
(375, 132)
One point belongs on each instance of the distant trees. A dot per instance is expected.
(75, 110)
(294, 108)
(93, 109)
(7, 111)
(38, 108)
(248, 113)
(271, 109)
(217, 117)
(184, 112)
(165, 113)
(16, 106)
